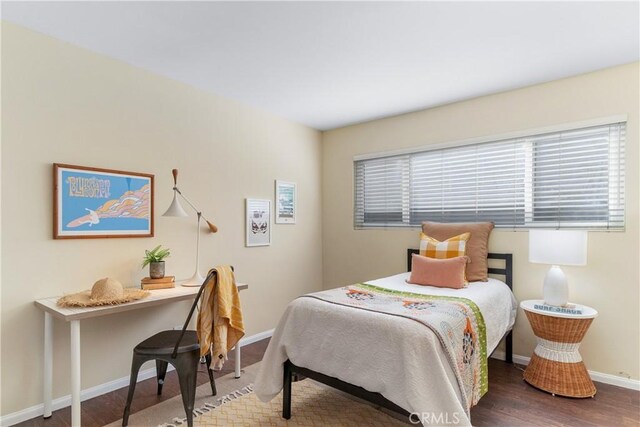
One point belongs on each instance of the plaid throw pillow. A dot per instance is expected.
(453, 247)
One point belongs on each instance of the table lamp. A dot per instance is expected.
(557, 247)
(176, 209)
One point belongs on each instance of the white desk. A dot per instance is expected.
(76, 314)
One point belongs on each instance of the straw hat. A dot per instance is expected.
(105, 291)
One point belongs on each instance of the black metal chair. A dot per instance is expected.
(182, 350)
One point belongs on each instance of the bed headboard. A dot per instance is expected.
(507, 271)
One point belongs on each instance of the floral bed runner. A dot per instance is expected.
(457, 322)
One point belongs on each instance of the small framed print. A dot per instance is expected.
(258, 222)
(285, 202)
(99, 203)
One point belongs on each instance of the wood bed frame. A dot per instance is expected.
(291, 370)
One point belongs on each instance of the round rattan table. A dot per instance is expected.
(556, 365)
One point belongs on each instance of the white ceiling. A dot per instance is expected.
(330, 64)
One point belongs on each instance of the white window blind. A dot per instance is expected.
(568, 179)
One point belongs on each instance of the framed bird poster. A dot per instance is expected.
(101, 203)
(258, 222)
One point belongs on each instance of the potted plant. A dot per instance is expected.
(155, 259)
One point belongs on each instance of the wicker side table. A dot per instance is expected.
(556, 365)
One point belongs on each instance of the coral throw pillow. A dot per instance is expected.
(443, 273)
(452, 247)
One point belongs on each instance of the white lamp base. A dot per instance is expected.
(195, 280)
(556, 288)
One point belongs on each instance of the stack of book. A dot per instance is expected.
(149, 284)
(564, 309)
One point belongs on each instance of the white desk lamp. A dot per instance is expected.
(176, 209)
(557, 247)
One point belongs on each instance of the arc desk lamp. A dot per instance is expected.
(176, 210)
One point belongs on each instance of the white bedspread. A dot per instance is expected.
(394, 356)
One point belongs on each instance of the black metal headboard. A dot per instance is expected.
(507, 271)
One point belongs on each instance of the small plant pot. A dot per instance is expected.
(156, 270)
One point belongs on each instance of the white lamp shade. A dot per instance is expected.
(558, 247)
(175, 209)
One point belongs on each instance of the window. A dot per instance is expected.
(563, 179)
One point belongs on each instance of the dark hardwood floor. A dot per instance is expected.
(509, 402)
(108, 408)
(512, 402)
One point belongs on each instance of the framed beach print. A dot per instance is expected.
(258, 222)
(100, 203)
(285, 202)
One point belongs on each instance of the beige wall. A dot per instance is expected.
(610, 281)
(65, 104)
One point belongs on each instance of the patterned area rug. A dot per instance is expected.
(313, 405)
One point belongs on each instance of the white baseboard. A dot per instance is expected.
(65, 401)
(257, 337)
(595, 376)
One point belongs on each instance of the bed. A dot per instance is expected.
(388, 360)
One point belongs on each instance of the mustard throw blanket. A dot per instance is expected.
(220, 324)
